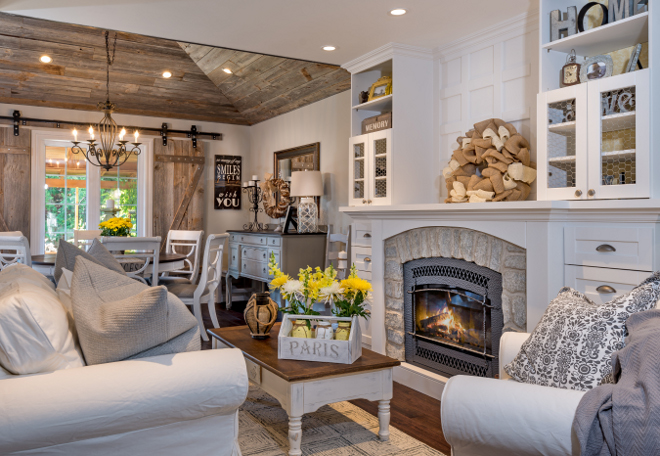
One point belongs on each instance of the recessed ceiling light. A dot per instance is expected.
(329, 48)
(167, 74)
(45, 59)
(398, 12)
(227, 70)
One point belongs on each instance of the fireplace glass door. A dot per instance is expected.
(453, 316)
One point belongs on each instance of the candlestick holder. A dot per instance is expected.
(255, 196)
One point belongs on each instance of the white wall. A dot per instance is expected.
(327, 122)
(492, 73)
(236, 141)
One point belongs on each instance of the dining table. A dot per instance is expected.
(167, 262)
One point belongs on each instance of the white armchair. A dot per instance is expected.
(484, 416)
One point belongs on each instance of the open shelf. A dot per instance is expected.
(379, 104)
(621, 121)
(606, 38)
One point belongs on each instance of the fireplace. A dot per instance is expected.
(453, 316)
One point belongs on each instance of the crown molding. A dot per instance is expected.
(514, 26)
(384, 53)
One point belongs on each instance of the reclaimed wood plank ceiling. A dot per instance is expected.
(259, 88)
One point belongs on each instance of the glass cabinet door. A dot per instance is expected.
(618, 152)
(357, 171)
(380, 174)
(562, 174)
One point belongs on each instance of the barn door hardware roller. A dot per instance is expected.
(163, 133)
(193, 135)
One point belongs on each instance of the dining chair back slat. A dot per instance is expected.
(144, 251)
(337, 242)
(14, 248)
(188, 243)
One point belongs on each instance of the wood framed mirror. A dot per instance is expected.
(297, 159)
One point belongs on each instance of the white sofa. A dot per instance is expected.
(484, 416)
(177, 404)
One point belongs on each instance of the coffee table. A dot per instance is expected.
(305, 386)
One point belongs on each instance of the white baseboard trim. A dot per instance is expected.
(420, 380)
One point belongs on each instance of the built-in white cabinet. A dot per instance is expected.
(594, 139)
(370, 169)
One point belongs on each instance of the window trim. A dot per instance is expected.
(39, 140)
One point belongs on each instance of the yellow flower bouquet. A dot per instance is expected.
(116, 226)
(347, 297)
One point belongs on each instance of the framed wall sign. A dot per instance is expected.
(227, 182)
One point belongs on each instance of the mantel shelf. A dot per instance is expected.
(379, 104)
(606, 38)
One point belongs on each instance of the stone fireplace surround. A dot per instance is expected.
(459, 243)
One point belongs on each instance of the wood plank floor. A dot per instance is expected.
(412, 412)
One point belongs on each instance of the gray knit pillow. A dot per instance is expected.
(572, 345)
(118, 317)
(67, 254)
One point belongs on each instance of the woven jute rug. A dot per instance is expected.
(340, 429)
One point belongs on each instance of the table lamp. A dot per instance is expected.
(307, 185)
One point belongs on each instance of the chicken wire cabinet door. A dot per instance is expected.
(357, 170)
(380, 172)
(562, 158)
(619, 136)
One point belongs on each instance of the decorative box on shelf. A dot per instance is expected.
(320, 350)
(377, 123)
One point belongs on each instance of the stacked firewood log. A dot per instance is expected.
(492, 163)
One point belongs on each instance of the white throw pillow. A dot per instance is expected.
(20, 273)
(34, 330)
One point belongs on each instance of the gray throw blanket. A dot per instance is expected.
(623, 419)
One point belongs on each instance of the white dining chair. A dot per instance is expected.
(144, 251)
(188, 243)
(83, 238)
(209, 280)
(335, 244)
(14, 248)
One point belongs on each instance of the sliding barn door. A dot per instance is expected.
(15, 181)
(178, 191)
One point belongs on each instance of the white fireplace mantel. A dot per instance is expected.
(537, 226)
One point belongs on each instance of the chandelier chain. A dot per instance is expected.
(110, 57)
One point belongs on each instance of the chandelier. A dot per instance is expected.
(104, 154)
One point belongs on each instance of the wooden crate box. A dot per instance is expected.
(321, 350)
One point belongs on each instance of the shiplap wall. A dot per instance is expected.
(492, 73)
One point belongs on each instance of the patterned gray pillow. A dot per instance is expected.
(572, 345)
(67, 254)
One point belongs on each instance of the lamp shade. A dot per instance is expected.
(306, 183)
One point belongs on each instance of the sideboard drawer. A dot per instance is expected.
(252, 239)
(609, 247)
(252, 253)
(600, 284)
(274, 241)
(254, 268)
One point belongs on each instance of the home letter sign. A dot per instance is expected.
(557, 25)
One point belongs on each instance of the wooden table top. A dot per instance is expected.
(49, 258)
(264, 353)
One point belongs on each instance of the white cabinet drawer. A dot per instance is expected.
(364, 275)
(251, 253)
(362, 258)
(609, 247)
(362, 237)
(252, 239)
(600, 284)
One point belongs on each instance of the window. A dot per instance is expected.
(65, 195)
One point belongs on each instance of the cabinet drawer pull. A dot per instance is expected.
(605, 248)
(367, 235)
(605, 289)
(367, 260)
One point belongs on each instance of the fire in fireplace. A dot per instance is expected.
(453, 316)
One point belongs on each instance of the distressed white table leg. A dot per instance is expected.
(384, 420)
(295, 435)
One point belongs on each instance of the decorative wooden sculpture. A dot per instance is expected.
(260, 315)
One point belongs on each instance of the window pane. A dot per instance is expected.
(120, 185)
(66, 195)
